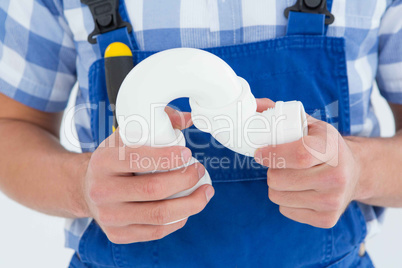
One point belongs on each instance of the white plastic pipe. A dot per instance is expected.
(165, 76)
(221, 104)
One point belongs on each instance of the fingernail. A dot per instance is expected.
(201, 170)
(258, 156)
(209, 193)
(186, 154)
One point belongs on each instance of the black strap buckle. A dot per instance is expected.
(312, 6)
(106, 17)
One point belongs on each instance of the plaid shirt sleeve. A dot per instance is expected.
(389, 75)
(37, 54)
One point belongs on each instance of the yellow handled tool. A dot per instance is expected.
(118, 63)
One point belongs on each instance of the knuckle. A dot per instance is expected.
(303, 157)
(273, 196)
(285, 212)
(340, 178)
(112, 236)
(130, 151)
(333, 141)
(270, 177)
(159, 232)
(272, 180)
(192, 176)
(160, 214)
(327, 221)
(97, 194)
(331, 202)
(332, 131)
(195, 207)
(326, 179)
(153, 188)
(106, 218)
(115, 237)
(96, 162)
(200, 205)
(182, 223)
(336, 178)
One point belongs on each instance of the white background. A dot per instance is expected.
(30, 239)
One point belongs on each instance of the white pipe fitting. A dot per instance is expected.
(221, 104)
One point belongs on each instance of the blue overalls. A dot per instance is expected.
(240, 227)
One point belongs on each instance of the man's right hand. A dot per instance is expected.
(130, 207)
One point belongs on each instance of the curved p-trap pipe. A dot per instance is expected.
(221, 104)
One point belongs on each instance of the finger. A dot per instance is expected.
(320, 146)
(314, 178)
(157, 212)
(308, 216)
(180, 120)
(263, 104)
(146, 187)
(141, 232)
(141, 159)
(304, 199)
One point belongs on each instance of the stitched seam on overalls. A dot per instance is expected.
(155, 254)
(340, 72)
(331, 43)
(124, 14)
(342, 259)
(245, 174)
(94, 69)
(329, 247)
(117, 256)
(290, 71)
(83, 240)
(362, 221)
(341, 262)
(343, 80)
(240, 180)
(281, 43)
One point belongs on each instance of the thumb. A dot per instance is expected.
(180, 120)
(263, 104)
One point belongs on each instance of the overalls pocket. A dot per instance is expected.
(353, 259)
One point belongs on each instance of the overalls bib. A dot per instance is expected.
(241, 227)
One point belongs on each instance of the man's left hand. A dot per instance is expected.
(313, 179)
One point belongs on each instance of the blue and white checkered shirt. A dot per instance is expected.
(44, 49)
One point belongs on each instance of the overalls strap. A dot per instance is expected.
(118, 35)
(305, 24)
(309, 17)
(109, 25)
